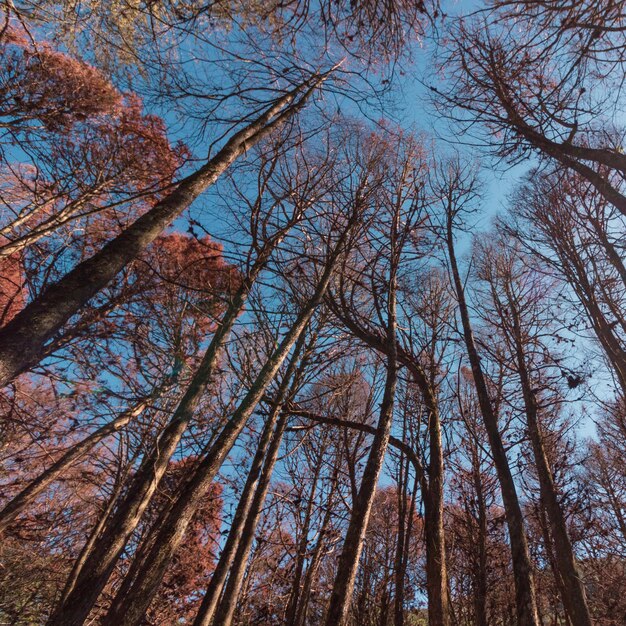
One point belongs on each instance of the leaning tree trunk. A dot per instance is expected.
(343, 585)
(75, 607)
(245, 506)
(436, 571)
(226, 608)
(526, 605)
(130, 610)
(15, 506)
(22, 340)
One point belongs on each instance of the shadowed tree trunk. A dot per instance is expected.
(130, 610)
(245, 506)
(526, 605)
(109, 545)
(343, 585)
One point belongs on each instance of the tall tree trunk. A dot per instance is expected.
(302, 549)
(22, 340)
(480, 591)
(245, 505)
(526, 605)
(436, 572)
(15, 506)
(129, 611)
(398, 599)
(573, 590)
(215, 586)
(226, 608)
(316, 557)
(343, 585)
(79, 563)
(101, 561)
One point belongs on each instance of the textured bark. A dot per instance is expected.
(526, 605)
(226, 608)
(15, 506)
(236, 534)
(130, 610)
(22, 340)
(101, 560)
(436, 571)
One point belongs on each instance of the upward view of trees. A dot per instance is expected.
(312, 313)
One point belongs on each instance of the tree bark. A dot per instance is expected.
(101, 561)
(526, 605)
(129, 611)
(245, 505)
(572, 590)
(343, 585)
(22, 340)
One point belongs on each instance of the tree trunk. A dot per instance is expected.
(573, 590)
(79, 563)
(436, 574)
(45, 479)
(302, 549)
(214, 589)
(226, 609)
(101, 561)
(22, 340)
(316, 557)
(353, 544)
(526, 605)
(480, 591)
(245, 505)
(129, 611)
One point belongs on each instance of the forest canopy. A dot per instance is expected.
(312, 313)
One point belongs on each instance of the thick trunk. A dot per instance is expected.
(22, 340)
(480, 591)
(129, 611)
(226, 609)
(44, 480)
(102, 559)
(214, 589)
(436, 574)
(526, 605)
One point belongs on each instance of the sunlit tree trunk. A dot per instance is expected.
(109, 545)
(130, 610)
(22, 340)
(245, 506)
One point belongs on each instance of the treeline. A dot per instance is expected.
(268, 361)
